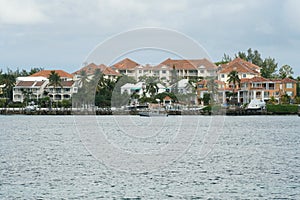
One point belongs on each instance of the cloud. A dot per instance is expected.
(20, 12)
(292, 14)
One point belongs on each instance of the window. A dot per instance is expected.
(222, 75)
(289, 85)
(202, 71)
(163, 71)
(200, 86)
(244, 75)
(289, 93)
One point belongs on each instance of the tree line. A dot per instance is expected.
(269, 66)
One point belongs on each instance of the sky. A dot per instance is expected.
(60, 34)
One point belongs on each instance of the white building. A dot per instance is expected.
(139, 88)
(30, 87)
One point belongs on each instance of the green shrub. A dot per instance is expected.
(282, 108)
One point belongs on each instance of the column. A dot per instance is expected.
(238, 97)
(262, 95)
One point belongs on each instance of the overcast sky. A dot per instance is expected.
(61, 33)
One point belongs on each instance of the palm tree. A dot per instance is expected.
(152, 88)
(233, 77)
(55, 81)
(83, 78)
(8, 80)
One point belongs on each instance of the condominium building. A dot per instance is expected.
(29, 87)
(37, 86)
(250, 88)
(168, 70)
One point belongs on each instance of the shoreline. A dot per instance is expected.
(227, 112)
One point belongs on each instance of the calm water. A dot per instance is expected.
(254, 157)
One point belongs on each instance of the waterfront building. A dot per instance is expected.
(168, 71)
(91, 69)
(29, 87)
(37, 86)
(250, 88)
(245, 70)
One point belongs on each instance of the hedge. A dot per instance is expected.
(282, 108)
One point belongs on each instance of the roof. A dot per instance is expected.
(288, 80)
(30, 83)
(46, 73)
(167, 98)
(67, 83)
(241, 66)
(190, 64)
(92, 67)
(64, 84)
(25, 83)
(255, 80)
(125, 64)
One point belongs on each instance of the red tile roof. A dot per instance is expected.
(46, 73)
(91, 68)
(288, 80)
(126, 64)
(240, 66)
(191, 64)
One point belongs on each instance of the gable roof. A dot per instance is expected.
(288, 80)
(125, 64)
(46, 73)
(189, 64)
(91, 68)
(256, 79)
(241, 66)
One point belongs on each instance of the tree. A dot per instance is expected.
(285, 99)
(269, 67)
(233, 77)
(251, 56)
(8, 79)
(35, 70)
(285, 71)
(226, 59)
(54, 79)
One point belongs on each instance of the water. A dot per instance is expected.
(48, 157)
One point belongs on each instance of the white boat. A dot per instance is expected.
(152, 114)
(256, 104)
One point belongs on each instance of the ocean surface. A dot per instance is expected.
(131, 157)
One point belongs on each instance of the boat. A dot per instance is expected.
(256, 104)
(153, 113)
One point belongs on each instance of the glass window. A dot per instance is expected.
(289, 93)
(289, 85)
(200, 86)
(222, 76)
(244, 75)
